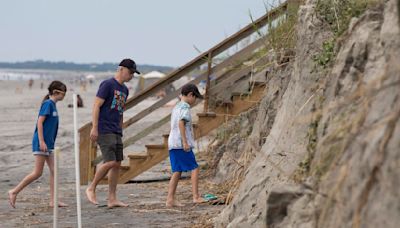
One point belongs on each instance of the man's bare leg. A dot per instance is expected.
(100, 174)
(112, 188)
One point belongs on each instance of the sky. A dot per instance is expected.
(162, 32)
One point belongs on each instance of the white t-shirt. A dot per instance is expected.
(180, 112)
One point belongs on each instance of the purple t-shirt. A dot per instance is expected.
(111, 112)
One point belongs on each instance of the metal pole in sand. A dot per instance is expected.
(55, 200)
(77, 174)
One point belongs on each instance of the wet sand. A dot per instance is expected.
(19, 109)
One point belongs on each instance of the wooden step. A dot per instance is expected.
(153, 150)
(138, 156)
(240, 104)
(165, 139)
(260, 78)
(207, 114)
(206, 117)
(228, 103)
(258, 83)
(241, 86)
(122, 170)
(225, 101)
(143, 165)
(155, 146)
(241, 94)
(125, 167)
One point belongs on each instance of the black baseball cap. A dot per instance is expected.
(186, 89)
(130, 64)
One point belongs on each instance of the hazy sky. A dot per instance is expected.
(159, 32)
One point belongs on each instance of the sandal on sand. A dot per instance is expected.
(209, 197)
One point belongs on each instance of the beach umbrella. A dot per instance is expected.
(90, 76)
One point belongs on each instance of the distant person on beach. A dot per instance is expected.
(18, 90)
(79, 102)
(43, 141)
(107, 120)
(30, 83)
(181, 144)
(83, 84)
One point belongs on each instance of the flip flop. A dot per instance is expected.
(209, 197)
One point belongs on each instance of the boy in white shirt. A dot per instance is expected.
(181, 143)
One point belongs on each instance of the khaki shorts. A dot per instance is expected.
(111, 147)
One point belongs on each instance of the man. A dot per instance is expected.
(107, 121)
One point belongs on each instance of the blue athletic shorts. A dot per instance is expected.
(182, 161)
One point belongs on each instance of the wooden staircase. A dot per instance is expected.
(207, 121)
(232, 88)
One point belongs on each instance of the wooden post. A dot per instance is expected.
(84, 159)
(206, 97)
(92, 156)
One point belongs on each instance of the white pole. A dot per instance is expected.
(77, 174)
(55, 200)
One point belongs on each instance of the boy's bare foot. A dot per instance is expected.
(60, 204)
(12, 197)
(173, 203)
(116, 203)
(199, 200)
(91, 195)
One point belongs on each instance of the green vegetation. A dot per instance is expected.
(283, 35)
(327, 53)
(337, 15)
(304, 167)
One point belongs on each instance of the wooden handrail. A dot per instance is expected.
(201, 59)
(239, 56)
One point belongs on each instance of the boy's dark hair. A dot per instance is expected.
(55, 85)
(191, 88)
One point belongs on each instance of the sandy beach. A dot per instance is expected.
(19, 109)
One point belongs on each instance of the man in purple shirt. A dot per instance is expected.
(107, 121)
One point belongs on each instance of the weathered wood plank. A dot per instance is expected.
(92, 156)
(84, 159)
(131, 140)
(207, 124)
(232, 78)
(143, 166)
